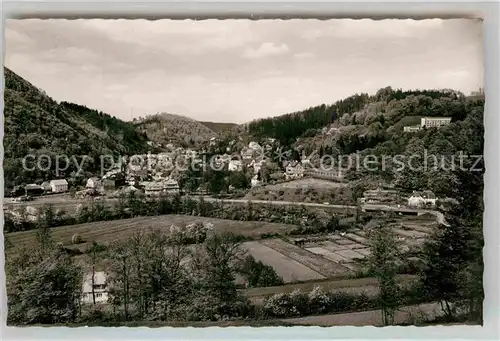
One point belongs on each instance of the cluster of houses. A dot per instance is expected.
(53, 186)
(428, 122)
(418, 199)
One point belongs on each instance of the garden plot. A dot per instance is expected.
(351, 266)
(333, 247)
(328, 254)
(365, 252)
(344, 241)
(356, 238)
(350, 254)
(355, 246)
(289, 269)
(311, 260)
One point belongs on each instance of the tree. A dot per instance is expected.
(118, 276)
(214, 269)
(383, 263)
(453, 258)
(43, 286)
(258, 274)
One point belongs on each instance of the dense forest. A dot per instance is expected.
(36, 124)
(287, 128)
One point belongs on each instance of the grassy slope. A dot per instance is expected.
(106, 231)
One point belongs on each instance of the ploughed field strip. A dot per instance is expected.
(289, 269)
(309, 259)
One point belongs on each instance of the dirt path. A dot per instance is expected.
(407, 314)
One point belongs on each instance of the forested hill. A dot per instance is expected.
(287, 128)
(165, 128)
(36, 124)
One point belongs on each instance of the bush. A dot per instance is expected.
(259, 274)
(76, 239)
(280, 305)
(319, 301)
(315, 303)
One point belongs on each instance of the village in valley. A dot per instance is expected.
(366, 210)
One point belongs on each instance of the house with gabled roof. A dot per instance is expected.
(59, 185)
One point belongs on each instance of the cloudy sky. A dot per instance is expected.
(238, 70)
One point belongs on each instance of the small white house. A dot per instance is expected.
(422, 199)
(59, 185)
(257, 165)
(171, 186)
(153, 188)
(411, 129)
(234, 166)
(254, 145)
(100, 288)
(93, 183)
(255, 181)
(294, 170)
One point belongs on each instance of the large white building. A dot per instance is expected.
(59, 186)
(100, 288)
(430, 122)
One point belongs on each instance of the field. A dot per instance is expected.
(106, 231)
(304, 190)
(319, 258)
(307, 183)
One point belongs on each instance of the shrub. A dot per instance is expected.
(319, 301)
(300, 302)
(280, 305)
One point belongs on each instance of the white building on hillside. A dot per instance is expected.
(254, 145)
(422, 199)
(59, 185)
(294, 170)
(100, 288)
(431, 122)
(411, 129)
(93, 183)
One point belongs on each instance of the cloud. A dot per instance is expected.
(369, 28)
(266, 50)
(303, 55)
(201, 69)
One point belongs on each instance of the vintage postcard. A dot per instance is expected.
(243, 173)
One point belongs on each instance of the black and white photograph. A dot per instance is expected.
(201, 173)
